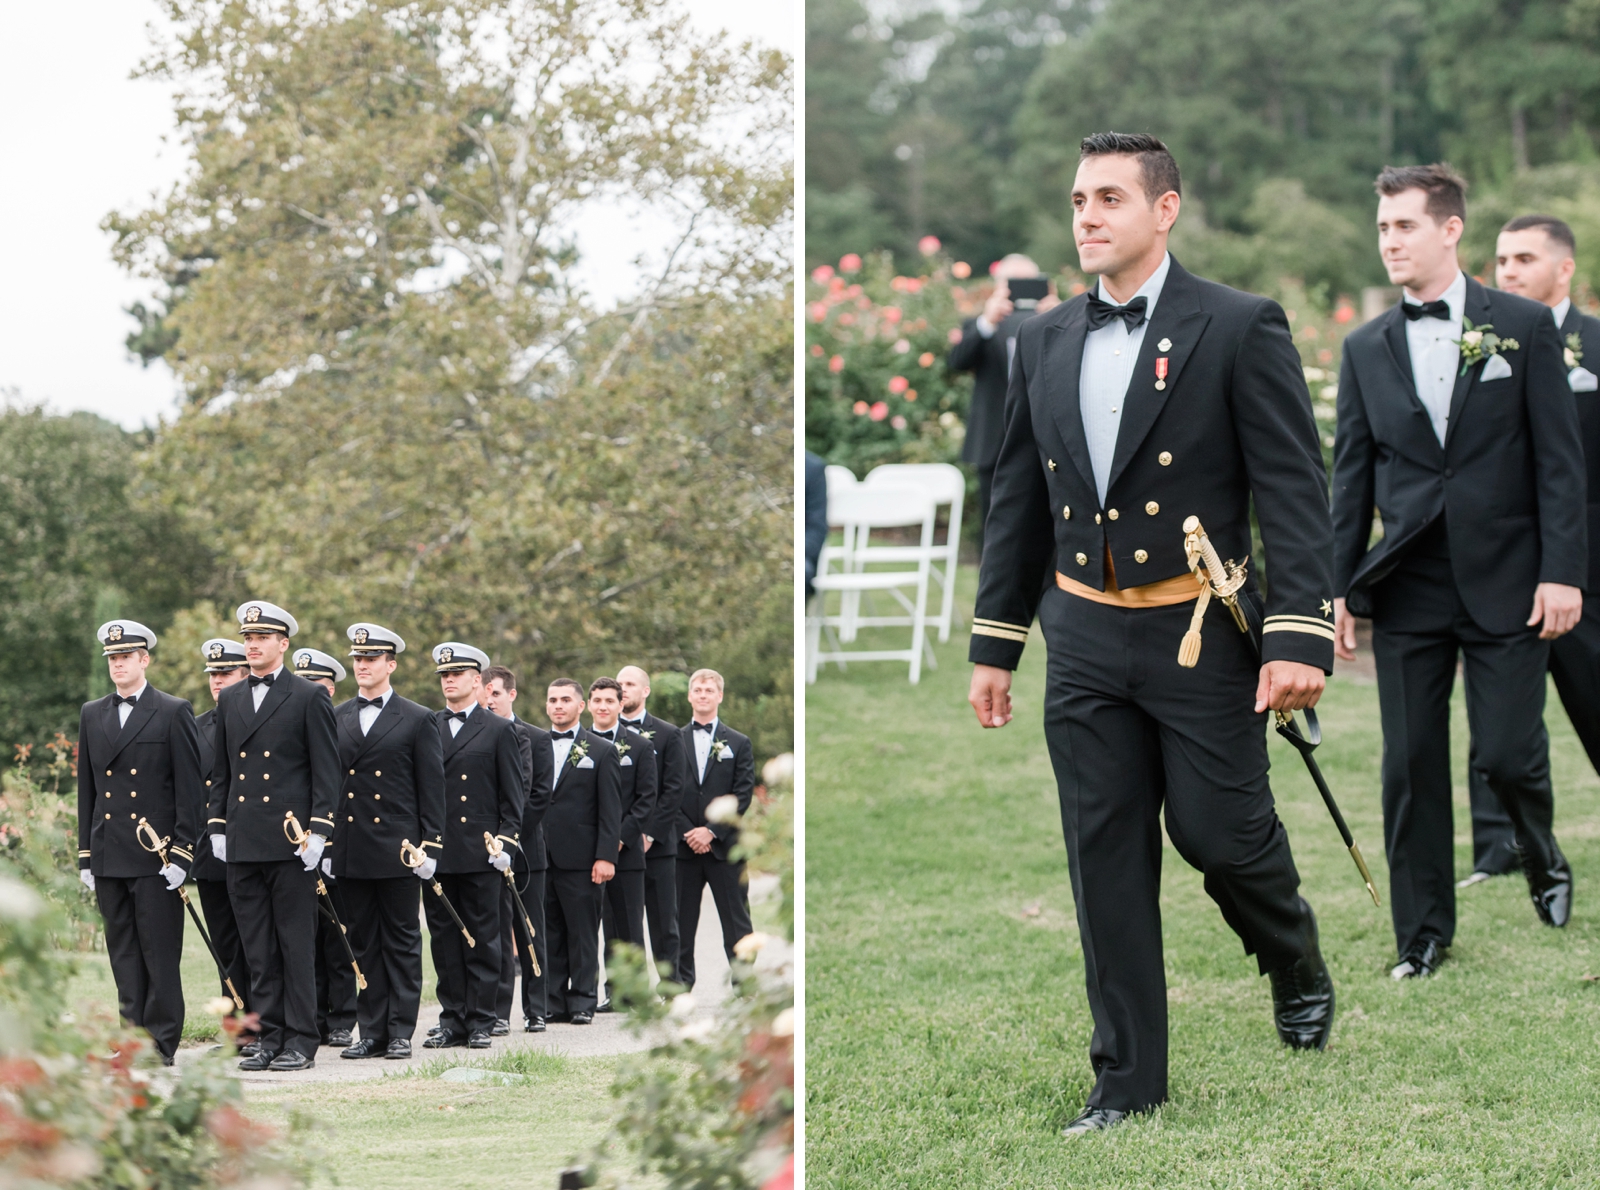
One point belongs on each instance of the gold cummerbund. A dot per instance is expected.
(1183, 588)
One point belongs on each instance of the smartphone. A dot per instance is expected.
(1026, 291)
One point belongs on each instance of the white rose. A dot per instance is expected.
(1572, 360)
(1472, 338)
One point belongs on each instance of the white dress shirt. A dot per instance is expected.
(702, 745)
(562, 748)
(1435, 346)
(259, 690)
(457, 724)
(367, 716)
(1559, 311)
(124, 709)
(1108, 358)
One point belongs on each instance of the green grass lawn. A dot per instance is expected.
(947, 1029)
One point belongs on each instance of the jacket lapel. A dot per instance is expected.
(388, 716)
(1572, 324)
(141, 714)
(277, 695)
(470, 728)
(1394, 338)
(1179, 319)
(349, 727)
(1476, 308)
(567, 765)
(1062, 367)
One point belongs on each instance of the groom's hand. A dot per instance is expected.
(1344, 632)
(1288, 686)
(990, 695)
(1559, 606)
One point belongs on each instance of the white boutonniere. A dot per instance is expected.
(1574, 351)
(649, 735)
(1478, 343)
(720, 748)
(622, 745)
(580, 752)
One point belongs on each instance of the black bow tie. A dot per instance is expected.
(118, 699)
(633, 723)
(368, 702)
(461, 715)
(258, 681)
(605, 735)
(1436, 309)
(564, 735)
(704, 726)
(1103, 313)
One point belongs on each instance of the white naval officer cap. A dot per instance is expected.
(222, 654)
(369, 640)
(314, 663)
(257, 615)
(453, 655)
(124, 636)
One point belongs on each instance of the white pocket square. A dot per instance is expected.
(626, 760)
(1583, 381)
(726, 755)
(1495, 368)
(586, 763)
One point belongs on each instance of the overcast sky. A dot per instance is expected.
(79, 139)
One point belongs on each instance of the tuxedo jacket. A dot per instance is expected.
(206, 865)
(730, 769)
(639, 786)
(1588, 331)
(584, 822)
(269, 763)
(393, 785)
(1509, 478)
(1230, 423)
(989, 361)
(671, 774)
(146, 768)
(484, 789)
(539, 763)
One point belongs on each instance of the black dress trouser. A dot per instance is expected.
(572, 925)
(468, 976)
(622, 913)
(1419, 629)
(275, 905)
(728, 893)
(1575, 665)
(661, 906)
(530, 891)
(386, 934)
(1131, 733)
(224, 931)
(336, 979)
(144, 941)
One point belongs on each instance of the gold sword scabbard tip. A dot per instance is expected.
(1366, 876)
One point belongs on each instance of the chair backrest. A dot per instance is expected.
(883, 507)
(945, 481)
(840, 481)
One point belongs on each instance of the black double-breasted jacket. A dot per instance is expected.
(730, 770)
(639, 788)
(1509, 477)
(1222, 424)
(483, 789)
(540, 766)
(147, 768)
(584, 822)
(392, 781)
(1587, 328)
(671, 774)
(272, 762)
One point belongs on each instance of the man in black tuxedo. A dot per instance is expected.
(622, 909)
(1469, 449)
(139, 758)
(985, 349)
(661, 841)
(484, 792)
(275, 756)
(528, 865)
(581, 833)
(721, 766)
(1536, 258)
(1152, 398)
(392, 761)
(226, 665)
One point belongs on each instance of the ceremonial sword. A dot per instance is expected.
(493, 844)
(413, 857)
(158, 845)
(297, 836)
(1225, 581)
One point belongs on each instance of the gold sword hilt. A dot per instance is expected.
(414, 857)
(150, 841)
(1225, 580)
(496, 848)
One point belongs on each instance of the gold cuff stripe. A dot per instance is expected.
(1317, 620)
(431, 843)
(81, 854)
(211, 820)
(180, 851)
(1323, 630)
(1000, 624)
(1020, 638)
(329, 821)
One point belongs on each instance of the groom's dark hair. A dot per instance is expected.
(1446, 189)
(1157, 169)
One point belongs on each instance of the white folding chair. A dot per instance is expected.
(947, 485)
(859, 512)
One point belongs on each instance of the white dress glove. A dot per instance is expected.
(501, 862)
(219, 847)
(174, 876)
(312, 855)
(327, 869)
(426, 869)
(87, 877)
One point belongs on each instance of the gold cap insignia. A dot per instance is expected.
(303, 660)
(361, 636)
(214, 652)
(445, 656)
(115, 632)
(252, 614)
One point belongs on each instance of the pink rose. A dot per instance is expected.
(849, 263)
(816, 350)
(836, 364)
(928, 245)
(818, 311)
(891, 314)
(961, 270)
(955, 335)
(821, 273)
(879, 410)
(898, 422)
(925, 359)
(859, 408)
(898, 384)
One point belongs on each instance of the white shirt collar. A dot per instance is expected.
(1150, 290)
(1455, 297)
(140, 691)
(1560, 309)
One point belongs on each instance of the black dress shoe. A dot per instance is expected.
(339, 1037)
(166, 1059)
(502, 1028)
(481, 1040)
(434, 1032)
(367, 1047)
(583, 1018)
(1302, 1003)
(1551, 890)
(536, 1025)
(604, 1006)
(559, 1018)
(250, 1049)
(444, 1039)
(1421, 960)
(1093, 1119)
(291, 1060)
(399, 1049)
(259, 1060)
